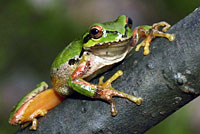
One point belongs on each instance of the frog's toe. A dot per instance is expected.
(34, 124)
(146, 48)
(139, 101)
(111, 79)
(139, 46)
(101, 80)
(171, 37)
(112, 107)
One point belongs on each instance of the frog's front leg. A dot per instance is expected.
(150, 32)
(102, 90)
(106, 92)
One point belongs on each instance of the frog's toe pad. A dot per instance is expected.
(139, 101)
(171, 37)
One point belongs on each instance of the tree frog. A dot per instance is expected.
(103, 45)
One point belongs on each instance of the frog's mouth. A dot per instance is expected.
(111, 49)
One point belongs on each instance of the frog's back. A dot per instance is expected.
(64, 65)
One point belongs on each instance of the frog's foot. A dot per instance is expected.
(152, 33)
(106, 92)
(34, 120)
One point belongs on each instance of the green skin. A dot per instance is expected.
(101, 47)
(116, 31)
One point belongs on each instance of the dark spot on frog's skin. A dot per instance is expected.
(88, 66)
(73, 61)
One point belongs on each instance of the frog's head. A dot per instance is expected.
(101, 35)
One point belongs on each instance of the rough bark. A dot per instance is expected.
(167, 79)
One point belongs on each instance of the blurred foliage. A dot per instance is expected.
(30, 36)
(180, 8)
(34, 31)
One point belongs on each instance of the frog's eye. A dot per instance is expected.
(129, 22)
(96, 32)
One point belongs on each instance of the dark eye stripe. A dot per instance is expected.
(87, 38)
(112, 32)
(82, 51)
(125, 27)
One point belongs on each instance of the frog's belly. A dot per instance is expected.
(60, 76)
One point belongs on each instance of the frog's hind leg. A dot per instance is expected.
(106, 92)
(150, 32)
(34, 121)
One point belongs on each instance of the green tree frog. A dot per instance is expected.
(103, 45)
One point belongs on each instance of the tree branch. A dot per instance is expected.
(166, 79)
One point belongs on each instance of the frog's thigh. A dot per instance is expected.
(64, 91)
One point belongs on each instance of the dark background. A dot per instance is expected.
(32, 32)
